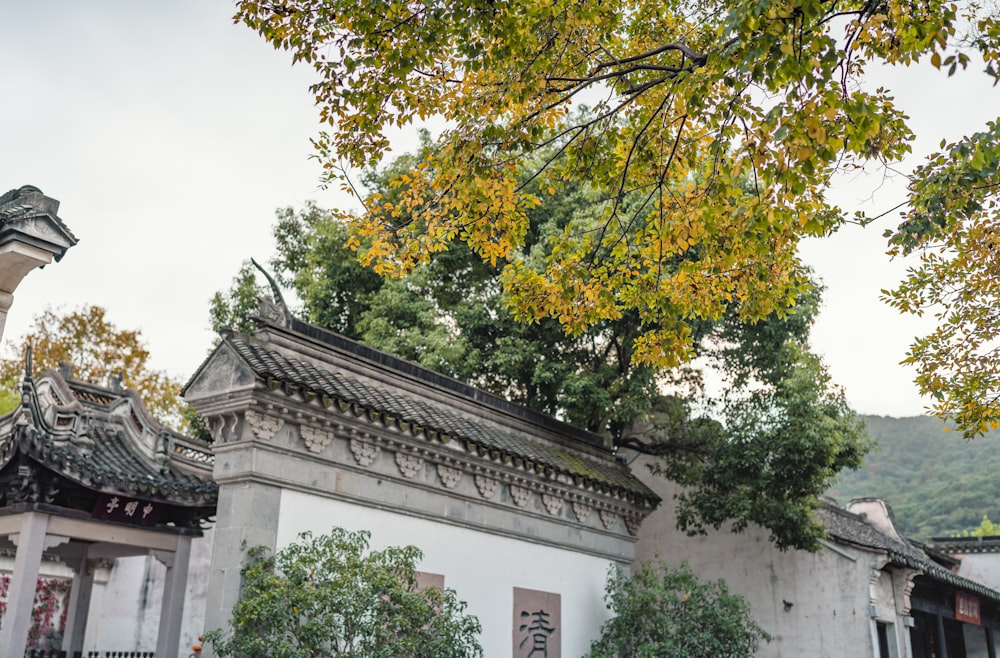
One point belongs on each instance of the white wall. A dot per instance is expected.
(483, 568)
(125, 611)
(981, 567)
(813, 604)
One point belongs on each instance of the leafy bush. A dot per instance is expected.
(665, 613)
(330, 596)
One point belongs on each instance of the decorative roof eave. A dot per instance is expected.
(29, 217)
(43, 450)
(26, 432)
(966, 545)
(901, 554)
(282, 376)
(942, 575)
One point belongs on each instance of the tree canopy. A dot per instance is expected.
(670, 613)
(330, 596)
(985, 529)
(714, 131)
(953, 223)
(785, 430)
(96, 348)
(938, 483)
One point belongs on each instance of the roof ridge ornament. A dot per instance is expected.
(28, 368)
(275, 310)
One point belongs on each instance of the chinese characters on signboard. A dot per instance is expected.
(537, 624)
(966, 608)
(126, 510)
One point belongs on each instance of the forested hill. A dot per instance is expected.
(937, 483)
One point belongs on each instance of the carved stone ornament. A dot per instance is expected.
(263, 426)
(364, 453)
(553, 504)
(487, 486)
(581, 511)
(222, 427)
(450, 477)
(409, 465)
(607, 518)
(632, 524)
(316, 440)
(268, 310)
(520, 495)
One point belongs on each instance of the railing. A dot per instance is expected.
(53, 653)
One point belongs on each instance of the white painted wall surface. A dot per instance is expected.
(813, 604)
(483, 568)
(125, 611)
(981, 567)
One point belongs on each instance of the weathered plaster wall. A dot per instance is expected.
(483, 568)
(125, 611)
(812, 604)
(981, 567)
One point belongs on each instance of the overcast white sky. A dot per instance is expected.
(170, 135)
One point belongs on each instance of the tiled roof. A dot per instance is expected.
(28, 200)
(111, 465)
(966, 545)
(848, 528)
(104, 441)
(348, 389)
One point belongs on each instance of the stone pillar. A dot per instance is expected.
(16, 260)
(21, 595)
(6, 299)
(79, 606)
(172, 608)
(247, 516)
(942, 642)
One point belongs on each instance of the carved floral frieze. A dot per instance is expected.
(519, 495)
(450, 476)
(262, 425)
(553, 504)
(487, 486)
(316, 440)
(365, 453)
(409, 465)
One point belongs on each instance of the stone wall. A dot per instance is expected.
(813, 604)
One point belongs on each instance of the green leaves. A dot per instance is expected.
(782, 436)
(331, 597)
(680, 131)
(96, 348)
(706, 158)
(452, 315)
(666, 613)
(952, 223)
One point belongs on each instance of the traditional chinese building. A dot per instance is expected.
(974, 558)
(867, 592)
(88, 475)
(519, 513)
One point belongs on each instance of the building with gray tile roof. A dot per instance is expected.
(312, 429)
(87, 474)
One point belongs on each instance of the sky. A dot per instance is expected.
(170, 135)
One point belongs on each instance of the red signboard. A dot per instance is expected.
(126, 510)
(966, 607)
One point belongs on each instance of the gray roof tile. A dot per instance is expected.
(344, 386)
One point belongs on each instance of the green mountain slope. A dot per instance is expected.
(936, 482)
